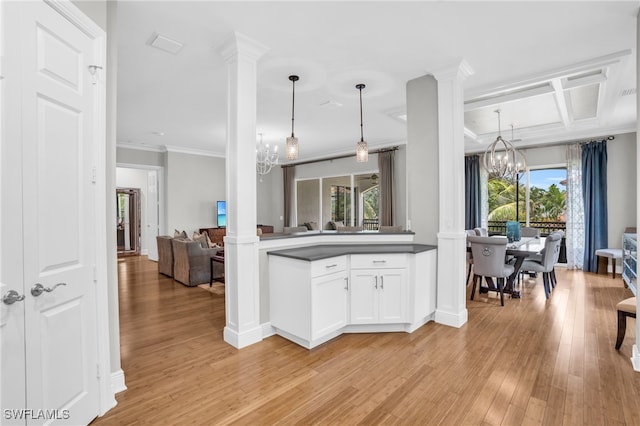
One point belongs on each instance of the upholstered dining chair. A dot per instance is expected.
(546, 263)
(481, 232)
(489, 262)
(470, 233)
(527, 231)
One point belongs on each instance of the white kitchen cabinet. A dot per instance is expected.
(378, 292)
(308, 299)
(314, 298)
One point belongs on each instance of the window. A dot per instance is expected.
(340, 203)
(540, 197)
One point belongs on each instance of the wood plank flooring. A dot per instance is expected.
(531, 362)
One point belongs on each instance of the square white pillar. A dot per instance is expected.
(242, 293)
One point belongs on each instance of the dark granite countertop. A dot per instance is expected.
(319, 252)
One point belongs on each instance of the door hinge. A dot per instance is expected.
(95, 274)
(93, 175)
(98, 371)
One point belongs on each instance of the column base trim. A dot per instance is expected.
(244, 339)
(117, 381)
(635, 359)
(451, 319)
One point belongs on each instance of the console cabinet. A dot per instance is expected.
(630, 261)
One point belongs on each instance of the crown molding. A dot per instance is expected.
(193, 151)
(141, 146)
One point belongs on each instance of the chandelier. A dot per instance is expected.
(362, 149)
(292, 142)
(265, 158)
(501, 159)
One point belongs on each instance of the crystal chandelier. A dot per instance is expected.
(292, 142)
(265, 158)
(362, 149)
(501, 159)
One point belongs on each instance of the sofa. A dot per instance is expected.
(192, 262)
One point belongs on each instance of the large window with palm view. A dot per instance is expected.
(538, 199)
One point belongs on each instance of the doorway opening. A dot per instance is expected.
(128, 221)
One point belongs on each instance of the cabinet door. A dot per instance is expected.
(392, 292)
(364, 296)
(329, 307)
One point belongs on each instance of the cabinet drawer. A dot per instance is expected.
(383, 260)
(328, 266)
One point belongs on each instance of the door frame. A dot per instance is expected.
(160, 188)
(74, 15)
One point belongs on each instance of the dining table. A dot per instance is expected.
(519, 250)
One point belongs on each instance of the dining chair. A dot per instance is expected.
(470, 233)
(481, 232)
(547, 262)
(626, 308)
(528, 231)
(489, 262)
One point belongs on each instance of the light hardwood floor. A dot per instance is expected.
(529, 362)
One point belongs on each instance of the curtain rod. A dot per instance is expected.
(544, 145)
(337, 157)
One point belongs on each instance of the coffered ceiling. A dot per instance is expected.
(556, 70)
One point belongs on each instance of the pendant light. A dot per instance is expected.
(362, 149)
(292, 141)
(501, 160)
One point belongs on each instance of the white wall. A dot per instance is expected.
(194, 184)
(136, 178)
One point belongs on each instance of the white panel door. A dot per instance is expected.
(329, 304)
(392, 291)
(363, 296)
(58, 219)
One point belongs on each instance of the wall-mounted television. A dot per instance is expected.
(221, 214)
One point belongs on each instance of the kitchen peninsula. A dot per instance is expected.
(325, 284)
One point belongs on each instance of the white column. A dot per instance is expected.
(241, 242)
(451, 304)
(635, 358)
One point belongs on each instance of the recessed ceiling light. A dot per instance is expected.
(158, 133)
(165, 43)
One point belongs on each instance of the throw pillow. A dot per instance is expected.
(201, 238)
(338, 224)
(312, 226)
(178, 234)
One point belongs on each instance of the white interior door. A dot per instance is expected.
(47, 58)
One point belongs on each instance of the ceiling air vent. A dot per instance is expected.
(165, 44)
(627, 92)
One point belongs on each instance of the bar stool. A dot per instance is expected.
(626, 308)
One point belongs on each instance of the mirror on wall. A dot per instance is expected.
(308, 202)
(128, 221)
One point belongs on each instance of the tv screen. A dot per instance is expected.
(221, 214)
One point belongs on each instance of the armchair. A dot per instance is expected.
(192, 263)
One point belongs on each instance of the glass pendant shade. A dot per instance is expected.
(362, 152)
(292, 148)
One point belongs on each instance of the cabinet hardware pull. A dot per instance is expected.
(38, 289)
(12, 297)
(379, 261)
(376, 284)
(382, 282)
(346, 283)
(331, 266)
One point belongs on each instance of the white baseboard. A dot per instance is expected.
(267, 330)
(241, 340)
(451, 319)
(117, 381)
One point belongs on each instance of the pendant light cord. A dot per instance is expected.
(360, 87)
(293, 104)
